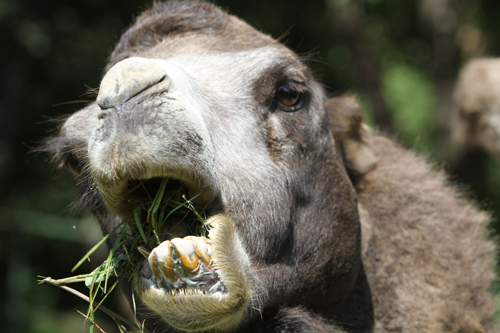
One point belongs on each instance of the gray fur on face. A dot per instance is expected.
(183, 117)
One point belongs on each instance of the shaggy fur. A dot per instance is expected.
(476, 115)
(425, 246)
(322, 225)
(425, 253)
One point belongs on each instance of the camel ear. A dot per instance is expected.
(352, 135)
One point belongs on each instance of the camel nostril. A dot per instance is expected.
(103, 114)
(129, 78)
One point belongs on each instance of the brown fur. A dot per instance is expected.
(427, 258)
(352, 135)
(425, 247)
(160, 31)
(476, 115)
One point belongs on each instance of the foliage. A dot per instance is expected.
(410, 95)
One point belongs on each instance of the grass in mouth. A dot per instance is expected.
(144, 227)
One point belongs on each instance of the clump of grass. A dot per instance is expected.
(143, 227)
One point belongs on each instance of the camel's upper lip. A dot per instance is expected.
(125, 195)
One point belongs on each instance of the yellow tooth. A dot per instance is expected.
(187, 253)
(164, 253)
(153, 262)
(169, 273)
(202, 248)
(165, 262)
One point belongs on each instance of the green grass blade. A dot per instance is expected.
(92, 250)
(191, 207)
(170, 213)
(159, 195)
(160, 219)
(106, 269)
(138, 222)
(106, 295)
(145, 190)
(68, 280)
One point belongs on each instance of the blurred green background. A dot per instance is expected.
(400, 56)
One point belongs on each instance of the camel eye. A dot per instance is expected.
(289, 97)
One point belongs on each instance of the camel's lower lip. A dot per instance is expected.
(189, 294)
